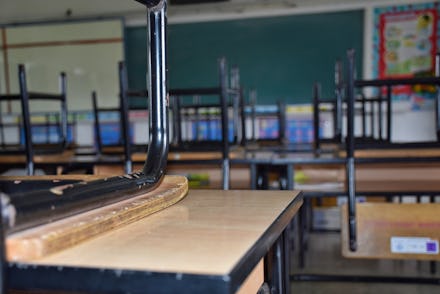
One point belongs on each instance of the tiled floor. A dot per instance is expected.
(324, 257)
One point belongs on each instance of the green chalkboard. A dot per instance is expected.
(280, 56)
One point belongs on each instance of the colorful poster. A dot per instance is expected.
(405, 41)
(408, 43)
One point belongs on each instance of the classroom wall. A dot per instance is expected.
(407, 123)
(87, 51)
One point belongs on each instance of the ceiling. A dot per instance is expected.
(20, 11)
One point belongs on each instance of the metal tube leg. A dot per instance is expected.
(253, 171)
(433, 267)
(339, 85)
(286, 255)
(308, 218)
(389, 113)
(124, 113)
(278, 269)
(283, 178)
(351, 205)
(316, 94)
(290, 176)
(3, 262)
(350, 172)
(157, 90)
(301, 249)
(226, 173)
(26, 120)
(96, 124)
(64, 119)
(224, 122)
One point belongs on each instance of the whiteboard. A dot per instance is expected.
(87, 51)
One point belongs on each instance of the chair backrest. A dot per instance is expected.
(25, 96)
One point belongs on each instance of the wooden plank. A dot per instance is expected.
(383, 153)
(377, 223)
(190, 155)
(402, 185)
(112, 150)
(112, 169)
(239, 175)
(410, 177)
(312, 174)
(208, 232)
(64, 157)
(48, 239)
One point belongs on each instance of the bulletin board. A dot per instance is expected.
(407, 43)
(406, 39)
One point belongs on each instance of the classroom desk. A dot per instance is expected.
(182, 157)
(206, 164)
(375, 176)
(373, 173)
(45, 161)
(87, 156)
(209, 242)
(395, 153)
(191, 155)
(38, 158)
(285, 163)
(67, 160)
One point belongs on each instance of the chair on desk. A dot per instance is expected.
(387, 230)
(370, 110)
(351, 145)
(332, 106)
(262, 114)
(373, 108)
(206, 120)
(382, 106)
(201, 117)
(29, 205)
(187, 146)
(48, 146)
(123, 146)
(337, 107)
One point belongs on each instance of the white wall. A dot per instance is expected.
(88, 52)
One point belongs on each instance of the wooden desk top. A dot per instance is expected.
(189, 155)
(65, 156)
(384, 153)
(210, 236)
(207, 232)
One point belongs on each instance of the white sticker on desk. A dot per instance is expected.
(414, 245)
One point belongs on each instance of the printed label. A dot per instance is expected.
(414, 245)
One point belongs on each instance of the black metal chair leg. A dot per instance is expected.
(433, 267)
(81, 197)
(301, 249)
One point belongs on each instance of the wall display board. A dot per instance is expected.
(407, 43)
(406, 39)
